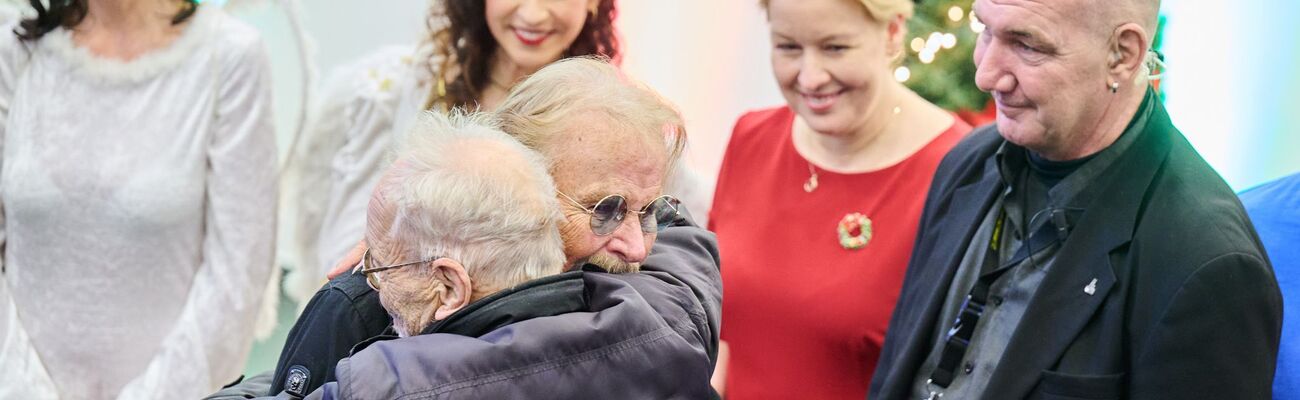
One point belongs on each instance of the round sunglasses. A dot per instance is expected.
(608, 213)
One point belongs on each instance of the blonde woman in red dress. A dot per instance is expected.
(818, 200)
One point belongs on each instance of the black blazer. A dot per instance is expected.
(1185, 306)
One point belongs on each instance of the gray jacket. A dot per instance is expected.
(649, 335)
(620, 348)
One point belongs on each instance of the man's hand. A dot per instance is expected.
(349, 261)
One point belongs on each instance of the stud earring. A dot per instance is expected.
(1114, 87)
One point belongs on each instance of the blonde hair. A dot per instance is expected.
(880, 10)
(538, 109)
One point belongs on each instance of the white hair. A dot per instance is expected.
(460, 188)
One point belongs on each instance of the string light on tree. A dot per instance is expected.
(949, 40)
(926, 57)
(975, 24)
(902, 73)
(954, 14)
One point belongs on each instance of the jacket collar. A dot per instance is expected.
(1083, 275)
(956, 222)
(1061, 307)
(542, 297)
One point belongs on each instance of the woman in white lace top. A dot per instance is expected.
(138, 188)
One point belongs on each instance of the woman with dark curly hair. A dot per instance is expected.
(475, 63)
(472, 54)
(138, 193)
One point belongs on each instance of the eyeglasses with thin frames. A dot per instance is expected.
(369, 271)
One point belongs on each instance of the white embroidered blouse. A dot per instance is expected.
(138, 213)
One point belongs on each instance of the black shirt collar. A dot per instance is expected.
(1067, 180)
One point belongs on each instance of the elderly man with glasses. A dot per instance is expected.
(609, 143)
(464, 212)
(465, 251)
(466, 257)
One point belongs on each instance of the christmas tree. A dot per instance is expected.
(938, 64)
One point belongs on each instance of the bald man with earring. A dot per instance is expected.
(1079, 247)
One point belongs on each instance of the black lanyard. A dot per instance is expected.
(958, 338)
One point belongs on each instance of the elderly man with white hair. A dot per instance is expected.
(609, 142)
(1079, 248)
(463, 212)
(466, 256)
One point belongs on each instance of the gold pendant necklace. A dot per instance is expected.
(811, 184)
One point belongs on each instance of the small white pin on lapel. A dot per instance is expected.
(1091, 289)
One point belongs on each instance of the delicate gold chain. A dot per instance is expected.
(811, 184)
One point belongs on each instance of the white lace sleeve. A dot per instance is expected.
(209, 343)
(345, 149)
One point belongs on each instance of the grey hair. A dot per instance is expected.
(460, 188)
